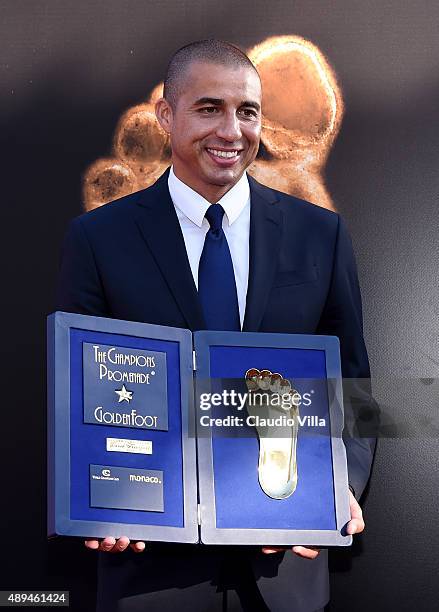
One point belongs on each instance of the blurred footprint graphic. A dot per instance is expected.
(302, 109)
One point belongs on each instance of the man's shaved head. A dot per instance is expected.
(208, 51)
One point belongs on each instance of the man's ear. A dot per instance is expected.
(163, 112)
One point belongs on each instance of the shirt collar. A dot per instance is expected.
(194, 206)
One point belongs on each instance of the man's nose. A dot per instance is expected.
(229, 127)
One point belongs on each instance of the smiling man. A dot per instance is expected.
(207, 247)
(213, 139)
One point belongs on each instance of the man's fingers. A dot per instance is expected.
(268, 550)
(114, 546)
(302, 551)
(307, 552)
(356, 524)
(107, 544)
(121, 544)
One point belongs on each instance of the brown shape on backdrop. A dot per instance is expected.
(140, 141)
(302, 110)
(106, 180)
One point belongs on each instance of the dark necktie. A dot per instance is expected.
(216, 279)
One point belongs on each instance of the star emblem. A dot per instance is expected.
(124, 394)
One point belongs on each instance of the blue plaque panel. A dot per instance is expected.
(235, 508)
(79, 505)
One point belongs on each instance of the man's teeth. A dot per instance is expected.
(223, 153)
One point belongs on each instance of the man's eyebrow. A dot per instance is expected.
(251, 104)
(206, 100)
(220, 102)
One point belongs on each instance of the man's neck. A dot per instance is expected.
(211, 193)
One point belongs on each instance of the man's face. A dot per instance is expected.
(216, 125)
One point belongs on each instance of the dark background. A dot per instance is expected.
(68, 70)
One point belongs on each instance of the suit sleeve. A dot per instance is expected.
(342, 317)
(79, 286)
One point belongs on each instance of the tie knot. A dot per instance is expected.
(214, 215)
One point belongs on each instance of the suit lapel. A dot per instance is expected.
(265, 233)
(161, 230)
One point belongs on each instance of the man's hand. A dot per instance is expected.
(307, 552)
(112, 545)
(355, 525)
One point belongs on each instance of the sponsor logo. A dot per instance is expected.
(146, 479)
(105, 475)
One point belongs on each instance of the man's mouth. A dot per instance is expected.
(221, 153)
(224, 157)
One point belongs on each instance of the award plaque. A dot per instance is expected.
(212, 437)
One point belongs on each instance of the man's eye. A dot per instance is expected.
(248, 112)
(208, 110)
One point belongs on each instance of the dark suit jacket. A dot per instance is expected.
(127, 260)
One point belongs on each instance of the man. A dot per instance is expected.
(161, 255)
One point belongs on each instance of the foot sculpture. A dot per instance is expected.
(270, 397)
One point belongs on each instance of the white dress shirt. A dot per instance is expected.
(191, 207)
